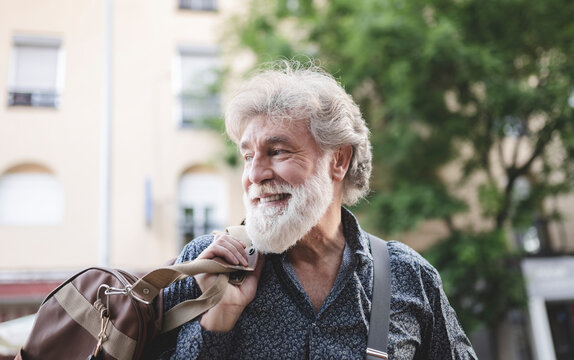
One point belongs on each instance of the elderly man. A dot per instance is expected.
(306, 153)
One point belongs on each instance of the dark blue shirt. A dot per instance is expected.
(281, 323)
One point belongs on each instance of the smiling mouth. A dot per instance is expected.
(273, 198)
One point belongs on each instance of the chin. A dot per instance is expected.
(275, 229)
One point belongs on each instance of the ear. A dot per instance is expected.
(341, 161)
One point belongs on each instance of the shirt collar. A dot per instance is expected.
(357, 239)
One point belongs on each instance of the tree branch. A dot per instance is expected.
(513, 172)
(544, 137)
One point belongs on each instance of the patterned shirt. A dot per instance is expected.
(281, 323)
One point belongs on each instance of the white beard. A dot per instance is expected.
(275, 229)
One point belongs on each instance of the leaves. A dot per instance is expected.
(491, 199)
(407, 206)
(448, 83)
(480, 275)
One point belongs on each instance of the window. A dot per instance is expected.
(203, 202)
(35, 77)
(30, 196)
(199, 102)
(196, 225)
(204, 5)
(561, 319)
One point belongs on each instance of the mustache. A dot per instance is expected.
(257, 190)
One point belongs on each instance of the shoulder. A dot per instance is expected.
(194, 248)
(186, 289)
(406, 263)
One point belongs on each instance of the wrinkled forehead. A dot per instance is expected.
(262, 132)
(279, 125)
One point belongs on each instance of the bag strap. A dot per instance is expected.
(190, 309)
(149, 286)
(381, 302)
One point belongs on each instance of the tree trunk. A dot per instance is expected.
(495, 342)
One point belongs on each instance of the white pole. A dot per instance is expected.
(105, 141)
(540, 330)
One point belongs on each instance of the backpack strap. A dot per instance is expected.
(381, 302)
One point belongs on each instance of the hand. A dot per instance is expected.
(225, 314)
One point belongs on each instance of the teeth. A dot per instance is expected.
(271, 198)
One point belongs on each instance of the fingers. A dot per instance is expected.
(227, 247)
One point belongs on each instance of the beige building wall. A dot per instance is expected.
(65, 140)
(147, 143)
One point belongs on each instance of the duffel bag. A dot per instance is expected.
(102, 313)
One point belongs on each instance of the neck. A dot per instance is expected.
(317, 257)
(324, 242)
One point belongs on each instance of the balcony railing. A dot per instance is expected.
(190, 230)
(203, 5)
(33, 98)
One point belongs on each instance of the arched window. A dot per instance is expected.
(203, 203)
(30, 195)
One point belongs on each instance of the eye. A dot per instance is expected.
(275, 152)
(247, 157)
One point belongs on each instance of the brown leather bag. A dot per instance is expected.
(106, 314)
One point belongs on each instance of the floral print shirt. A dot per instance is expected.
(281, 323)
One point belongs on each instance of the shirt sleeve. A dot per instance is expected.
(423, 323)
(192, 341)
(446, 338)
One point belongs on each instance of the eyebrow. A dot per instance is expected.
(272, 140)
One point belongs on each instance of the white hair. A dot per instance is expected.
(288, 91)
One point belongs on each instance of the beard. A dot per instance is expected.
(275, 229)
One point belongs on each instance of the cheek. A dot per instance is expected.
(293, 175)
(245, 180)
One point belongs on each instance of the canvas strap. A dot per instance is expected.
(381, 302)
(149, 286)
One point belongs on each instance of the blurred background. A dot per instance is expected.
(112, 150)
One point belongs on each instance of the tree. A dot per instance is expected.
(482, 87)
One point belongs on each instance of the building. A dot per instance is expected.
(111, 148)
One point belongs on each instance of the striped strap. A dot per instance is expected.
(81, 310)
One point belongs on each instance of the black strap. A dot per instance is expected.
(381, 302)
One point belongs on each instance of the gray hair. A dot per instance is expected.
(287, 91)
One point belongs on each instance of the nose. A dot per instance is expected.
(259, 170)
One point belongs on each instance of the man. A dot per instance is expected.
(306, 152)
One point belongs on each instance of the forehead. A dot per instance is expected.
(261, 131)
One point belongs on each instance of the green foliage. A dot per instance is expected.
(475, 269)
(230, 154)
(490, 198)
(469, 83)
(407, 206)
